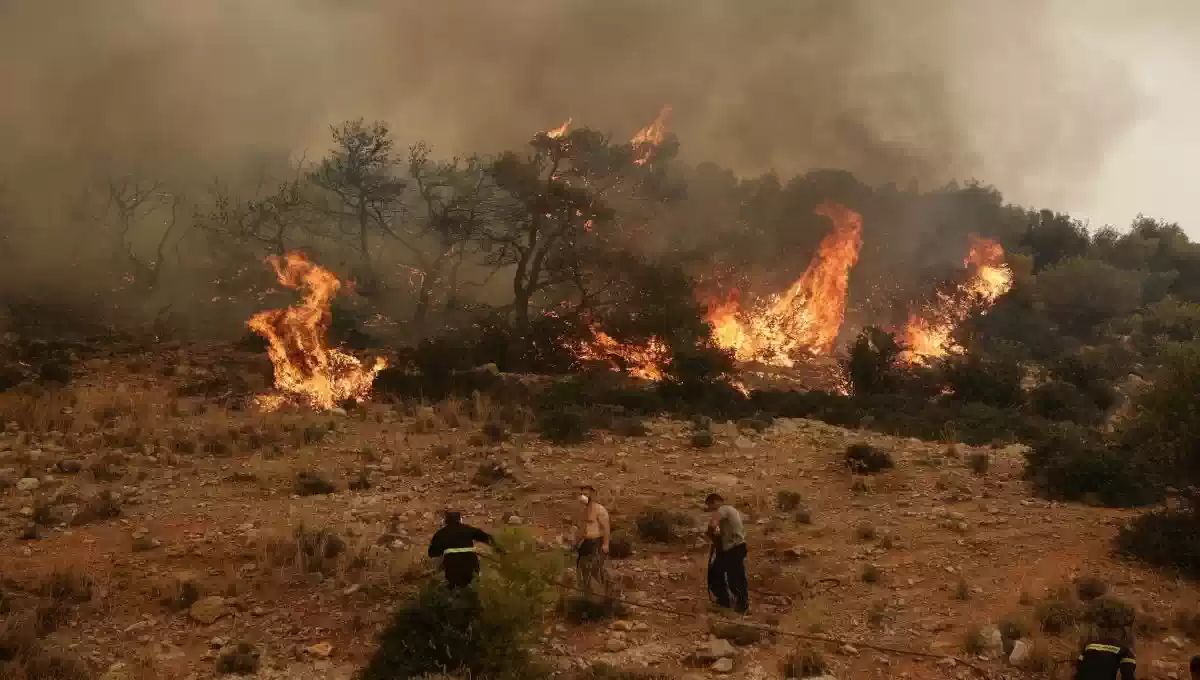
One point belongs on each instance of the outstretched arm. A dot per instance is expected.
(605, 530)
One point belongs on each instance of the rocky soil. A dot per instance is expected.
(197, 534)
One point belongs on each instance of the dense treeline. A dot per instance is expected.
(510, 258)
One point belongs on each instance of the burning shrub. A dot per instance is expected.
(1074, 464)
(864, 459)
(564, 426)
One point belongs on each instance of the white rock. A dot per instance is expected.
(723, 666)
(28, 484)
(993, 642)
(1021, 652)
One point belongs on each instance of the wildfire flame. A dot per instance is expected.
(560, 130)
(808, 316)
(306, 369)
(928, 334)
(648, 138)
(638, 360)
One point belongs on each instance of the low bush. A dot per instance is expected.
(1071, 463)
(979, 462)
(581, 609)
(564, 426)
(1057, 615)
(864, 459)
(657, 525)
(312, 484)
(788, 501)
(484, 631)
(1165, 538)
(620, 546)
(1090, 588)
(806, 662)
(241, 660)
(1109, 612)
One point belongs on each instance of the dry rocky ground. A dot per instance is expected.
(177, 528)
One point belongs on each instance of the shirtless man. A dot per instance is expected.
(591, 541)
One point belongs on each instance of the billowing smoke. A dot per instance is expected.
(924, 91)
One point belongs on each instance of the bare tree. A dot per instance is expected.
(456, 198)
(362, 191)
(132, 203)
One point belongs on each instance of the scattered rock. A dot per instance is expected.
(993, 642)
(28, 484)
(321, 650)
(207, 610)
(1021, 653)
(69, 466)
(848, 650)
(714, 650)
(742, 443)
(723, 666)
(615, 644)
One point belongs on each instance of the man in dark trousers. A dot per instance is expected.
(455, 544)
(727, 563)
(1106, 656)
(1195, 667)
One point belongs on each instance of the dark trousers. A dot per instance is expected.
(460, 569)
(727, 573)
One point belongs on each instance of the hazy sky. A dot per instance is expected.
(1152, 167)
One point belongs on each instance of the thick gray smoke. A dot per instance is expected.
(922, 91)
(928, 89)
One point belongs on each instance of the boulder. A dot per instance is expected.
(1021, 652)
(207, 610)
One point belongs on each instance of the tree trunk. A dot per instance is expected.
(424, 296)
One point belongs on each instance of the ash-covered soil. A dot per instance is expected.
(179, 524)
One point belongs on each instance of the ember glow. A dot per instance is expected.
(807, 317)
(929, 332)
(643, 361)
(307, 371)
(647, 140)
(560, 130)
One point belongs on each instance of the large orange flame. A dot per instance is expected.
(306, 369)
(647, 140)
(643, 361)
(807, 317)
(928, 334)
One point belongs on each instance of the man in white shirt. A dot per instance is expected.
(727, 564)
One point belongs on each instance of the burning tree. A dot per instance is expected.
(806, 317)
(556, 223)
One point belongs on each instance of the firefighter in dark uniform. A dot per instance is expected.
(1105, 657)
(455, 544)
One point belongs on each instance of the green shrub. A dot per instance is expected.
(1165, 538)
(564, 426)
(991, 381)
(1071, 463)
(657, 525)
(484, 631)
(864, 459)
(629, 427)
(873, 362)
(1058, 400)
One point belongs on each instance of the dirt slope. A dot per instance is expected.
(207, 497)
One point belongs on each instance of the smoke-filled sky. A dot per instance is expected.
(1069, 104)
